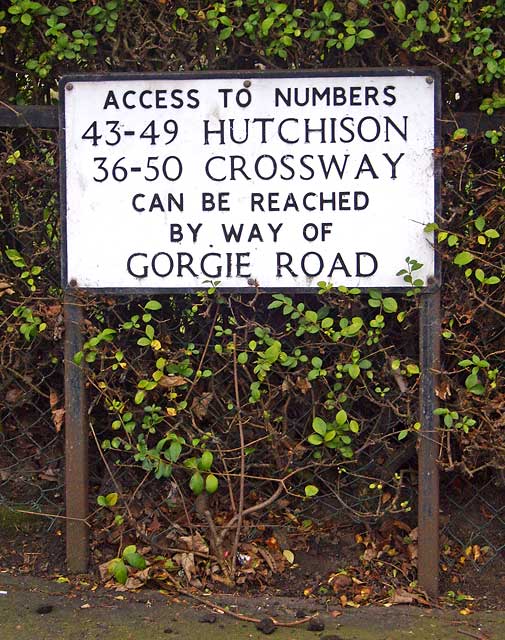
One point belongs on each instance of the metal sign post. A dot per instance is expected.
(428, 498)
(269, 180)
(76, 440)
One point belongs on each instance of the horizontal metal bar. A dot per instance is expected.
(46, 117)
(31, 116)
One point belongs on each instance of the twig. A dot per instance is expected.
(240, 512)
(204, 353)
(265, 503)
(52, 515)
(109, 470)
(472, 635)
(233, 614)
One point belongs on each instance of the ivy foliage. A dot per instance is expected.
(324, 387)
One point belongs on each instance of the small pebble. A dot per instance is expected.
(208, 618)
(300, 614)
(266, 626)
(44, 608)
(316, 625)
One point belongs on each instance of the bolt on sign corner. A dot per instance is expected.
(276, 180)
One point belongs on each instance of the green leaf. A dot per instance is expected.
(211, 483)
(319, 426)
(354, 371)
(153, 305)
(311, 316)
(242, 357)
(328, 8)
(273, 351)
(403, 434)
(206, 461)
(390, 305)
(349, 42)
(174, 451)
(311, 490)
(26, 19)
(460, 134)
(266, 25)
(111, 499)
(366, 34)
(134, 559)
(472, 381)
(196, 483)
(341, 417)
(329, 435)
(400, 10)
(118, 569)
(315, 439)
(464, 257)
(61, 11)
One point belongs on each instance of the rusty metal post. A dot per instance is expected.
(76, 441)
(428, 502)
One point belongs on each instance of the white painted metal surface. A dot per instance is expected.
(281, 181)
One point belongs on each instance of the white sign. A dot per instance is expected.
(276, 181)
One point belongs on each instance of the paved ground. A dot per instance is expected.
(34, 609)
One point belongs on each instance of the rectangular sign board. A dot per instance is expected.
(270, 180)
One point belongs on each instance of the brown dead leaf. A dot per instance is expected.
(104, 570)
(403, 526)
(275, 567)
(369, 554)
(443, 390)
(53, 310)
(401, 596)
(58, 418)
(155, 525)
(57, 414)
(195, 543)
(168, 382)
(386, 496)
(132, 584)
(339, 582)
(53, 399)
(13, 395)
(200, 404)
(303, 384)
(50, 474)
(5, 289)
(187, 563)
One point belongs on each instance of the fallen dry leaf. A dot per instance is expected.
(339, 582)
(195, 543)
(168, 382)
(200, 404)
(58, 418)
(303, 384)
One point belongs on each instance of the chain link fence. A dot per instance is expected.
(378, 478)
